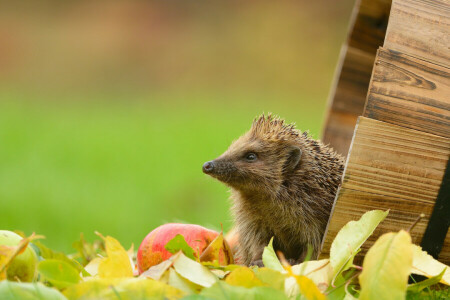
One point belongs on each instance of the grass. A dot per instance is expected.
(123, 166)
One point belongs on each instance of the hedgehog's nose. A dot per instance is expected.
(208, 167)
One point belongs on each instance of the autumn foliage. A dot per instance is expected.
(196, 263)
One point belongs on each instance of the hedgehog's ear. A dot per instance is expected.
(293, 158)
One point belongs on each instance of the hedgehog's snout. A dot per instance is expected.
(208, 167)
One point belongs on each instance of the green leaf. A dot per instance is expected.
(28, 291)
(270, 259)
(271, 277)
(338, 292)
(178, 243)
(88, 251)
(224, 291)
(48, 253)
(386, 267)
(59, 273)
(350, 238)
(419, 286)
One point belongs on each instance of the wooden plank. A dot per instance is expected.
(420, 28)
(370, 25)
(390, 167)
(348, 95)
(353, 203)
(410, 92)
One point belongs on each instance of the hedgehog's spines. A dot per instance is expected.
(272, 127)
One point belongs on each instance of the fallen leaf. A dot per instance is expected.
(10, 290)
(121, 288)
(178, 243)
(425, 265)
(182, 284)
(193, 271)
(243, 277)
(218, 250)
(350, 238)
(59, 273)
(386, 267)
(319, 271)
(224, 291)
(270, 259)
(48, 253)
(117, 263)
(156, 272)
(419, 286)
(92, 266)
(306, 286)
(271, 277)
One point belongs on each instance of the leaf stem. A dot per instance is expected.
(422, 215)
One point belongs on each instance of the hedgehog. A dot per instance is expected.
(283, 184)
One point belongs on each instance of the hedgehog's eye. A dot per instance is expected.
(251, 156)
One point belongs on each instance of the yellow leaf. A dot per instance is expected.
(117, 263)
(121, 288)
(425, 265)
(349, 239)
(307, 287)
(92, 266)
(182, 284)
(271, 278)
(243, 277)
(386, 267)
(319, 271)
(218, 250)
(156, 272)
(193, 271)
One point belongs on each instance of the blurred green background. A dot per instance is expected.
(108, 109)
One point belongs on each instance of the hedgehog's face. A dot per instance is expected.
(253, 165)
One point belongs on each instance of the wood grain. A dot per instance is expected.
(420, 28)
(370, 25)
(390, 167)
(410, 92)
(349, 97)
(348, 94)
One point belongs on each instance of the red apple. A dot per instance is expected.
(152, 252)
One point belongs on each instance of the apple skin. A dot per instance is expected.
(152, 252)
(23, 266)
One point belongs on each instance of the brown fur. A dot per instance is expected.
(277, 195)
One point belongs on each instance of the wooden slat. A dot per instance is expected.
(410, 92)
(370, 25)
(348, 95)
(420, 28)
(390, 167)
(348, 98)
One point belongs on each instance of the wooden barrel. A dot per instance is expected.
(389, 113)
